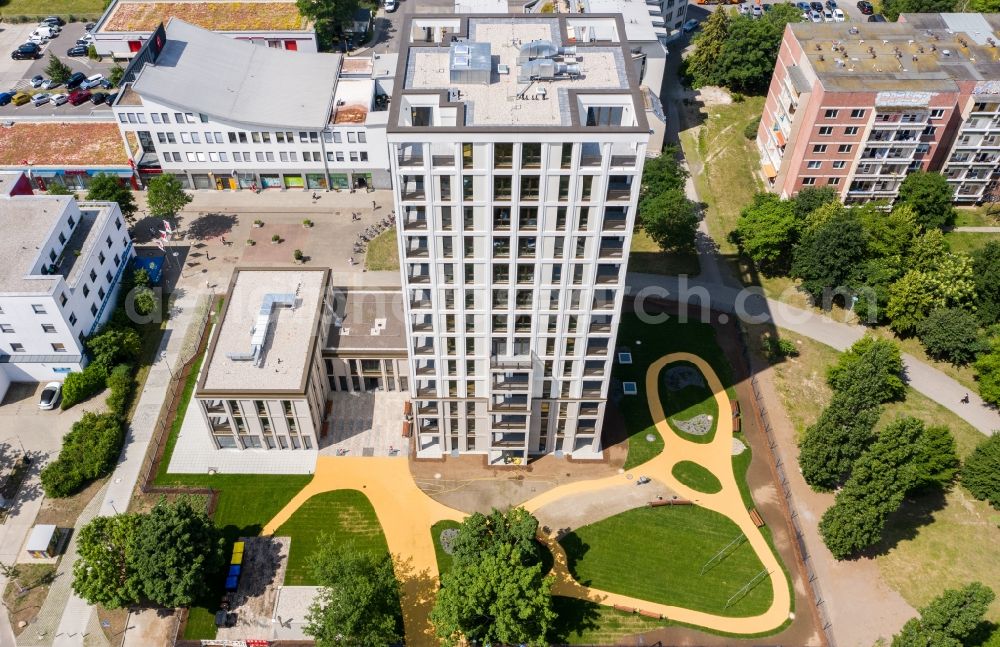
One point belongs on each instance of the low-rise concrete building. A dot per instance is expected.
(127, 24)
(59, 279)
(257, 117)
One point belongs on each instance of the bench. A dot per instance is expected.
(662, 502)
(650, 614)
(756, 518)
(624, 609)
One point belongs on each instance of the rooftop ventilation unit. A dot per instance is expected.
(542, 49)
(546, 70)
(470, 62)
(258, 334)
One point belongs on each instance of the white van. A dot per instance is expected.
(47, 31)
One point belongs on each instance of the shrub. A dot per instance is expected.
(115, 345)
(275, 238)
(738, 97)
(140, 278)
(297, 255)
(779, 348)
(981, 471)
(871, 372)
(144, 301)
(84, 384)
(89, 451)
(307, 223)
(120, 382)
(750, 130)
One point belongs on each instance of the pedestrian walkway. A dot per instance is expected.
(406, 514)
(978, 230)
(751, 302)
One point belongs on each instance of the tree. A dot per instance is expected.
(57, 70)
(870, 373)
(165, 196)
(988, 374)
(830, 254)
(80, 385)
(767, 230)
(986, 274)
(829, 448)
(59, 189)
(115, 345)
(358, 599)
(661, 174)
(495, 591)
(949, 620)
(178, 549)
(103, 572)
(952, 335)
(115, 74)
(928, 193)
(144, 300)
(981, 471)
(892, 234)
(703, 63)
(89, 451)
(811, 198)
(892, 8)
(913, 297)
(670, 219)
(108, 188)
(927, 250)
(328, 16)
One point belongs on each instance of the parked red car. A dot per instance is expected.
(79, 96)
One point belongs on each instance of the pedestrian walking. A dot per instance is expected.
(223, 240)
(373, 205)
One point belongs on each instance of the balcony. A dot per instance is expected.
(623, 161)
(520, 362)
(614, 224)
(413, 192)
(415, 224)
(443, 161)
(508, 441)
(594, 371)
(611, 251)
(607, 278)
(427, 369)
(423, 326)
(419, 278)
(428, 409)
(418, 252)
(426, 391)
(509, 423)
(590, 161)
(603, 303)
(597, 351)
(600, 327)
(411, 160)
(510, 383)
(618, 194)
(424, 351)
(520, 404)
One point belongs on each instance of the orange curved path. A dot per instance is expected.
(406, 514)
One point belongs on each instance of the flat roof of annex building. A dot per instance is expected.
(290, 340)
(237, 81)
(919, 55)
(505, 103)
(143, 16)
(368, 321)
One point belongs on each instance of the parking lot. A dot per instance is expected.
(17, 74)
(23, 424)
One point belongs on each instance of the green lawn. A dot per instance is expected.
(382, 254)
(741, 463)
(646, 256)
(340, 516)
(695, 476)
(64, 8)
(969, 241)
(657, 554)
(443, 558)
(246, 503)
(686, 403)
(656, 340)
(582, 622)
(976, 217)
(724, 164)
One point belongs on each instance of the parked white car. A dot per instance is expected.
(827, 15)
(838, 15)
(50, 396)
(59, 99)
(92, 81)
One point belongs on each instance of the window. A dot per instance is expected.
(171, 139)
(213, 157)
(62, 238)
(93, 309)
(218, 138)
(200, 156)
(845, 148)
(858, 113)
(354, 156)
(141, 117)
(48, 328)
(255, 136)
(303, 136)
(86, 291)
(100, 255)
(122, 118)
(930, 130)
(270, 156)
(839, 164)
(364, 156)
(108, 277)
(72, 223)
(260, 156)
(209, 139)
(203, 118)
(161, 137)
(38, 308)
(131, 118)
(101, 293)
(826, 130)
(362, 138)
(58, 348)
(72, 319)
(93, 276)
(232, 138)
(351, 138)
(833, 181)
(337, 139)
(243, 138)
(156, 117)
(178, 117)
(6, 328)
(851, 130)
(813, 164)
(819, 148)
(283, 156)
(16, 348)
(937, 113)
(195, 138)
(340, 157)
(293, 156)
(223, 157)
(185, 138)
(808, 181)
(831, 114)
(63, 299)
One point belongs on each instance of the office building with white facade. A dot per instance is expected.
(126, 25)
(255, 117)
(517, 145)
(59, 278)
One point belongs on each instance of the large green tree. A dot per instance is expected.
(988, 373)
(892, 8)
(114, 345)
(892, 234)
(495, 591)
(358, 600)
(986, 274)
(104, 571)
(767, 231)
(178, 550)
(109, 188)
(57, 70)
(661, 174)
(928, 193)
(830, 254)
(165, 196)
(829, 448)
(709, 42)
(981, 471)
(949, 620)
(952, 335)
(919, 292)
(811, 198)
(329, 17)
(670, 219)
(870, 372)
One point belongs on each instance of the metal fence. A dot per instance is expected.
(194, 341)
(782, 479)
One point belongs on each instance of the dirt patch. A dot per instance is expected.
(23, 605)
(113, 623)
(711, 95)
(572, 512)
(63, 513)
(263, 572)
(145, 627)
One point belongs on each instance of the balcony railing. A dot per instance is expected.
(440, 161)
(416, 193)
(600, 327)
(623, 161)
(619, 193)
(420, 278)
(614, 224)
(610, 252)
(411, 160)
(418, 252)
